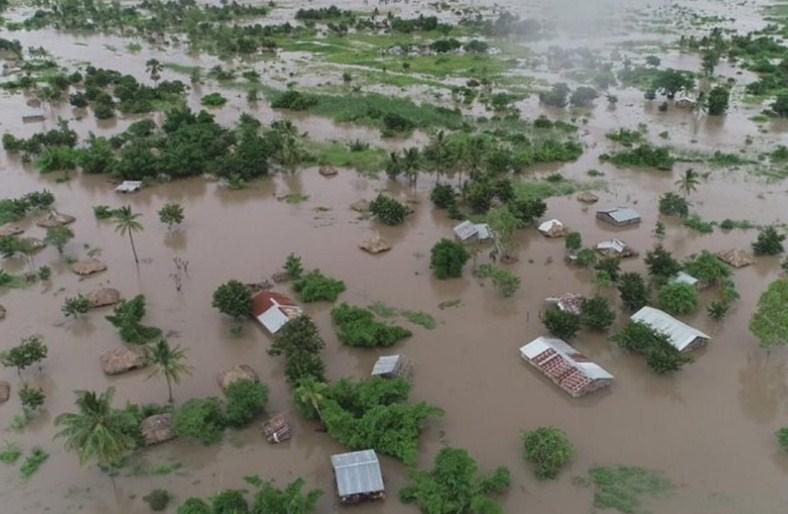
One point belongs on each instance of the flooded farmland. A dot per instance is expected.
(707, 428)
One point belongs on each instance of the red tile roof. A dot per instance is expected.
(267, 299)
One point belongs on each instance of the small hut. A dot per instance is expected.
(619, 216)
(358, 476)
(121, 360)
(237, 373)
(552, 228)
(157, 429)
(276, 430)
(615, 248)
(469, 231)
(274, 310)
(129, 186)
(389, 366)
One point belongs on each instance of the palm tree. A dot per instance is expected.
(168, 362)
(411, 160)
(126, 223)
(688, 182)
(97, 431)
(311, 391)
(153, 67)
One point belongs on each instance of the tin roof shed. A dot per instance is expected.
(683, 277)
(357, 473)
(682, 336)
(619, 216)
(565, 366)
(468, 230)
(387, 365)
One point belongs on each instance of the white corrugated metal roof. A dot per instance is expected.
(128, 186)
(539, 345)
(483, 231)
(615, 245)
(685, 278)
(621, 214)
(465, 230)
(357, 472)
(679, 334)
(550, 225)
(386, 364)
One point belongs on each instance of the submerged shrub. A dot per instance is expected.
(549, 450)
(448, 258)
(200, 419)
(357, 326)
(316, 287)
(246, 399)
(388, 210)
(678, 298)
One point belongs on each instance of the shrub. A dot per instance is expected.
(158, 499)
(671, 204)
(76, 306)
(660, 355)
(293, 266)
(103, 212)
(549, 450)
(234, 299)
(200, 419)
(294, 100)
(29, 351)
(707, 268)
(596, 313)
(443, 196)
(573, 241)
(561, 324)
(717, 100)
(448, 258)
(610, 267)
(246, 399)
(194, 506)
(678, 298)
(633, 291)
(782, 438)
(127, 317)
(388, 210)
(769, 242)
(505, 281)
(213, 100)
(583, 96)
(316, 287)
(661, 264)
(643, 156)
(230, 502)
(357, 327)
(32, 398)
(556, 96)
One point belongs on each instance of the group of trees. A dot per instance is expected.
(267, 499)
(357, 326)
(595, 314)
(660, 355)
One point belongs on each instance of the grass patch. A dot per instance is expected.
(531, 189)
(295, 198)
(698, 224)
(420, 318)
(33, 461)
(625, 488)
(383, 310)
(366, 160)
(10, 453)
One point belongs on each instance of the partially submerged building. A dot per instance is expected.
(682, 277)
(682, 336)
(358, 476)
(567, 302)
(566, 367)
(468, 231)
(552, 228)
(129, 186)
(616, 248)
(619, 216)
(273, 310)
(389, 366)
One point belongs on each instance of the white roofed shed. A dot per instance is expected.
(682, 336)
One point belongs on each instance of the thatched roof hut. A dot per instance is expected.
(157, 429)
(88, 267)
(55, 219)
(236, 373)
(103, 296)
(121, 360)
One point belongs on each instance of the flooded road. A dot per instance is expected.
(709, 428)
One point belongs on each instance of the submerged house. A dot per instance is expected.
(129, 186)
(273, 310)
(567, 302)
(389, 366)
(616, 248)
(683, 277)
(468, 231)
(682, 336)
(358, 476)
(552, 228)
(566, 367)
(619, 216)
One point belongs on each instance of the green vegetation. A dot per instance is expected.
(171, 214)
(10, 453)
(504, 281)
(15, 209)
(561, 324)
(549, 450)
(158, 499)
(213, 100)
(58, 237)
(268, 499)
(626, 137)
(33, 461)
(316, 287)
(29, 351)
(246, 399)
(660, 355)
(300, 342)
(233, 299)
(769, 323)
(127, 317)
(678, 298)
(661, 264)
(448, 258)
(387, 210)
(200, 419)
(169, 362)
(642, 156)
(769, 242)
(625, 488)
(671, 204)
(76, 306)
(781, 435)
(596, 313)
(454, 486)
(357, 326)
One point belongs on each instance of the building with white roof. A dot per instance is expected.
(682, 336)
(565, 366)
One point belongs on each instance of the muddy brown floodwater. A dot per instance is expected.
(709, 427)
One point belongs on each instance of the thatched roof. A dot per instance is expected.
(103, 296)
(121, 360)
(360, 205)
(55, 219)
(327, 171)
(375, 245)
(9, 229)
(157, 429)
(587, 197)
(736, 257)
(236, 373)
(88, 266)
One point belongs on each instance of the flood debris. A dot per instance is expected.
(736, 257)
(88, 267)
(128, 186)
(566, 367)
(10, 229)
(358, 476)
(619, 216)
(272, 310)
(55, 219)
(680, 335)
(567, 302)
(2, 312)
(276, 429)
(103, 297)
(33, 118)
(121, 360)
(552, 228)
(375, 245)
(5, 391)
(682, 277)
(361, 206)
(587, 197)
(238, 372)
(157, 429)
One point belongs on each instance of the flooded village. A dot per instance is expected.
(459, 257)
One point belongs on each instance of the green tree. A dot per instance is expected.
(168, 362)
(769, 323)
(661, 264)
(454, 486)
(711, 58)
(671, 204)
(505, 281)
(388, 210)
(293, 266)
(246, 399)
(234, 299)
(769, 242)
(549, 450)
(669, 82)
(317, 287)
(194, 506)
(300, 342)
(688, 182)
(661, 356)
(200, 419)
(310, 394)
(633, 291)
(678, 298)
(573, 242)
(58, 237)
(596, 313)
(718, 100)
(28, 352)
(154, 68)
(290, 500)
(503, 224)
(76, 306)
(171, 214)
(780, 105)
(561, 324)
(96, 430)
(448, 258)
(126, 222)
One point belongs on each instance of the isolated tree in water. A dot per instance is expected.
(153, 67)
(688, 182)
(168, 362)
(126, 223)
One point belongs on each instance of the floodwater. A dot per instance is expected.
(709, 427)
